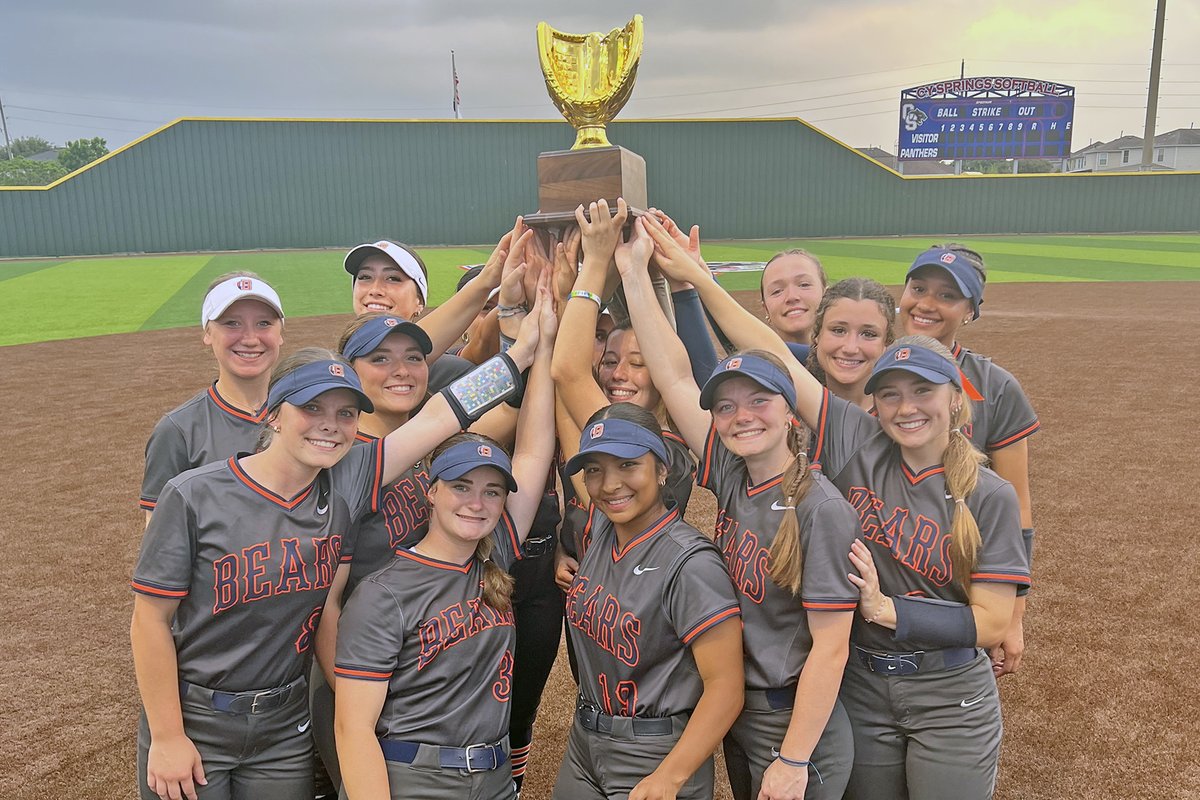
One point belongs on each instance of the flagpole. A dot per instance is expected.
(455, 103)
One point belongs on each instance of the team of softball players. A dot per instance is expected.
(363, 551)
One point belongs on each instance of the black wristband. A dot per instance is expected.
(483, 388)
(514, 399)
(936, 622)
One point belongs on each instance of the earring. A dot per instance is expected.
(275, 428)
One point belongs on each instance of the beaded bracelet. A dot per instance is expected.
(503, 312)
(595, 298)
(878, 612)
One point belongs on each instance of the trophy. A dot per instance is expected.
(589, 78)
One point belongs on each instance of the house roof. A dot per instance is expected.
(910, 167)
(1179, 137)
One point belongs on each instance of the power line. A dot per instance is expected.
(92, 116)
(81, 126)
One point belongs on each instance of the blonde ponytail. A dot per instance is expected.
(787, 555)
(961, 463)
(497, 584)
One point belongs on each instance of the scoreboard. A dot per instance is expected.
(986, 118)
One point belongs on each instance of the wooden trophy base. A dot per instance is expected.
(568, 178)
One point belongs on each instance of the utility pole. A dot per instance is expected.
(4, 124)
(1152, 96)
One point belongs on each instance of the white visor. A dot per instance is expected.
(401, 257)
(226, 293)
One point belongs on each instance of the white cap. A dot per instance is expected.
(226, 293)
(398, 254)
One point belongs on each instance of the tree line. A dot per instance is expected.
(18, 169)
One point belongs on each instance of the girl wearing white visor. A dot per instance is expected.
(242, 321)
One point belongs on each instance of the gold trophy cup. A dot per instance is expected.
(589, 78)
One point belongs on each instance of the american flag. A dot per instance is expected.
(457, 103)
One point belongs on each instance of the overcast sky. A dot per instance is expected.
(121, 68)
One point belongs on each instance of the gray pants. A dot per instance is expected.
(321, 707)
(759, 728)
(609, 765)
(933, 736)
(264, 756)
(425, 779)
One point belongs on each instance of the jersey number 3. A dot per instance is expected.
(502, 688)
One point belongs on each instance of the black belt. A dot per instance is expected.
(539, 546)
(917, 661)
(595, 720)
(251, 702)
(472, 758)
(771, 699)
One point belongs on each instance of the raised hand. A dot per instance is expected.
(566, 265)
(673, 258)
(633, 256)
(493, 270)
(602, 232)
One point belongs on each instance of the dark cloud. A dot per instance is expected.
(118, 68)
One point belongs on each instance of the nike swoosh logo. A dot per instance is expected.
(777, 507)
(639, 569)
(891, 666)
(969, 703)
(322, 509)
(303, 726)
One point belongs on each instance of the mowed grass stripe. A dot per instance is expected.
(18, 268)
(309, 283)
(1102, 243)
(1042, 252)
(91, 297)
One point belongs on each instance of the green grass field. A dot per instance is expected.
(66, 299)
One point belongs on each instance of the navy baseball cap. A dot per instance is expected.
(757, 369)
(306, 382)
(463, 457)
(367, 339)
(915, 359)
(964, 275)
(616, 437)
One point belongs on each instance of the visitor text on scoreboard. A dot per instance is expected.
(986, 118)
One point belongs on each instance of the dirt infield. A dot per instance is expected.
(1101, 708)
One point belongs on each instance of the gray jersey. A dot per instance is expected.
(634, 612)
(905, 516)
(1004, 416)
(421, 625)
(774, 622)
(445, 370)
(387, 517)
(205, 429)
(250, 570)
(681, 477)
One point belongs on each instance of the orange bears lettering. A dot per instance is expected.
(917, 543)
(455, 624)
(270, 569)
(598, 615)
(747, 561)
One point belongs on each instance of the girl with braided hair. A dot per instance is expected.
(940, 558)
(784, 532)
(853, 327)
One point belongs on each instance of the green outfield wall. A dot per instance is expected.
(224, 184)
